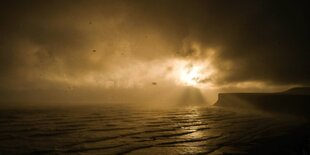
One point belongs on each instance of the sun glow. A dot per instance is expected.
(191, 75)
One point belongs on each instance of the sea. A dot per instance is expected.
(119, 129)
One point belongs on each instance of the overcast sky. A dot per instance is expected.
(92, 51)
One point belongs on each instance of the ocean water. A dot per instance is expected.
(130, 130)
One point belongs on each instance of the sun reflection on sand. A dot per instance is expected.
(200, 133)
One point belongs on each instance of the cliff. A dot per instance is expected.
(296, 103)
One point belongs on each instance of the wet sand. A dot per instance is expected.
(127, 130)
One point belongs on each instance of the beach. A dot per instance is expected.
(112, 129)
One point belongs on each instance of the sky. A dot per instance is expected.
(149, 51)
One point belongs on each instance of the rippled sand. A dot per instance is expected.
(126, 130)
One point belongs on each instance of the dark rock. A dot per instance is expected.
(288, 102)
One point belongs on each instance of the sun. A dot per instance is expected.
(190, 75)
(193, 73)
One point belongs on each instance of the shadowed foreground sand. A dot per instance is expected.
(126, 130)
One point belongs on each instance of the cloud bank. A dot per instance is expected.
(121, 45)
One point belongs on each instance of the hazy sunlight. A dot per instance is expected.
(191, 75)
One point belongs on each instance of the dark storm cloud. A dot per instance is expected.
(271, 45)
(261, 40)
(257, 40)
